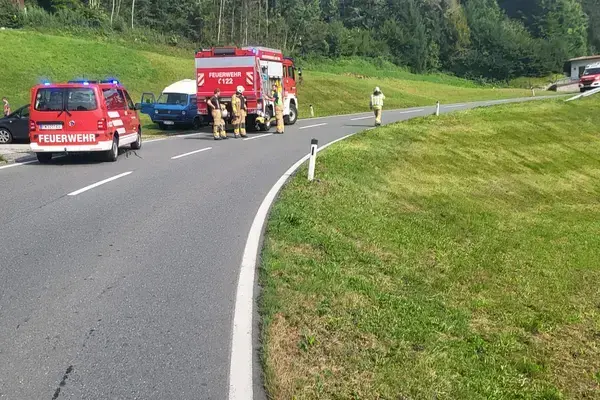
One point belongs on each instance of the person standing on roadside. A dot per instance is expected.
(276, 98)
(6, 107)
(244, 112)
(215, 111)
(377, 104)
(237, 104)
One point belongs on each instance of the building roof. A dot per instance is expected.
(585, 58)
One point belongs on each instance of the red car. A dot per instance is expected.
(590, 78)
(82, 116)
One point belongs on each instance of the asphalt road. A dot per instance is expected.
(126, 290)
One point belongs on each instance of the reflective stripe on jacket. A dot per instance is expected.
(377, 100)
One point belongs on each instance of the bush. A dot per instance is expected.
(10, 15)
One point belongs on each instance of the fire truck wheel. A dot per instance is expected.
(44, 158)
(138, 142)
(113, 153)
(267, 125)
(197, 123)
(292, 117)
(251, 124)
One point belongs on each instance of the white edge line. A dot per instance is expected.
(257, 137)
(359, 118)
(154, 140)
(240, 364)
(85, 189)
(411, 111)
(456, 106)
(312, 126)
(190, 153)
(18, 164)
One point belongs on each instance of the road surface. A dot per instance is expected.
(118, 280)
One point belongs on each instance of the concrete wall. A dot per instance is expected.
(577, 67)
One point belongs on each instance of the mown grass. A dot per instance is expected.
(334, 88)
(448, 258)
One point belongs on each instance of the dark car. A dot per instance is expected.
(15, 127)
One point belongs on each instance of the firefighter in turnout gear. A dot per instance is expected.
(238, 104)
(215, 109)
(278, 100)
(244, 113)
(377, 104)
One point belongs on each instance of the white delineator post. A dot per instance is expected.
(533, 92)
(437, 109)
(312, 111)
(312, 159)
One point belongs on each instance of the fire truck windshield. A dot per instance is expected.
(179, 99)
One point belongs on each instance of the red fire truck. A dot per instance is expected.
(257, 69)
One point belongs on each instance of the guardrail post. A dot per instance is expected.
(312, 111)
(533, 92)
(437, 109)
(313, 158)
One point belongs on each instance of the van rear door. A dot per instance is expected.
(48, 111)
(82, 114)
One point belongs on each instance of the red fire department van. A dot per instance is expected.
(254, 68)
(82, 116)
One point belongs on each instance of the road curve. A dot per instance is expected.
(118, 280)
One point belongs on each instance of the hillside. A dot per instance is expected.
(458, 253)
(29, 57)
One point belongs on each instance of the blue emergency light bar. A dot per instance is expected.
(113, 81)
(82, 81)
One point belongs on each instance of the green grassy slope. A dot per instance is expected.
(452, 257)
(331, 88)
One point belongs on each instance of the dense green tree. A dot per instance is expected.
(490, 39)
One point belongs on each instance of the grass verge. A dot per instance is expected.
(339, 87)
(452, 257)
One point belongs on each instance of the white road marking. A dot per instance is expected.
(85, 189)
(240, 367)
(313, 126)
(154, 140)
(455, 106)
(359, 118)
(188, 134)
(190, 153)
(411, 111)
(257, 137)
(18, 164)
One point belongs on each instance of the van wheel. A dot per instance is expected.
(113, 153)
(44, 158)
(138, 142)
(292, 117)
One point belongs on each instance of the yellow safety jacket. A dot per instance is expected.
(377, 101)
(236, 105)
